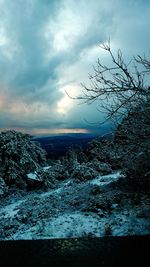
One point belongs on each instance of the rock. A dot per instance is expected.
(34, 176)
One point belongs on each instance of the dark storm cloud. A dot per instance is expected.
(24, 48)
(47, 47)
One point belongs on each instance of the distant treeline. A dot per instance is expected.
(58, 146)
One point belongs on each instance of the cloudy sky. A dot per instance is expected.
(48, 47)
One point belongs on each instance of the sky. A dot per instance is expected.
(49, 47)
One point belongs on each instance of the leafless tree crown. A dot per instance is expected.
(121, 87)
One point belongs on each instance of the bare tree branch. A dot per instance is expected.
(119, 88)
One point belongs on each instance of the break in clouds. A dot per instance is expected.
(49, 47)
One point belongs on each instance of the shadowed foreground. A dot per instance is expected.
(105, 251)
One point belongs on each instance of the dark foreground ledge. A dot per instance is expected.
(104, 251)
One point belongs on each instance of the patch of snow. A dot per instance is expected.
(106, 179)
(52, 192)
(33, 176)
(63, 226)
(46, 168)
(100, 180)
(123, 224)
(25, 234)
(10, 210)
(58, 190)
(78, 224)
(68, 183)
(73, 225)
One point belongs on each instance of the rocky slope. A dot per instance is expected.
(96, 207)
(104, 191)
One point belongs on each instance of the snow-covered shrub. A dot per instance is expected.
(59, 171)
(48, 179)
(133, 139)
(69, 163)
(138, 170)
(83, 172)
(75, 155)
(104, 150)
(19, 155)
(100, 167)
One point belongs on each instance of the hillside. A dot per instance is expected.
(98, 192)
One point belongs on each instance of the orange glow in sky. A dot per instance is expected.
(50, 131)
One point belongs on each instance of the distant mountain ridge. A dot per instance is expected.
(58, 145)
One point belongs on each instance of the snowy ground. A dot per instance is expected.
(75, 209)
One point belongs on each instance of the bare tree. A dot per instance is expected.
(123, 92)
(121, 87)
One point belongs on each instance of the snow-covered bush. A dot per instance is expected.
(58, 171)
(138, 170)
(19, 155)
(104, 150)
(133, 139)
(84, 172)
(100, 167)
